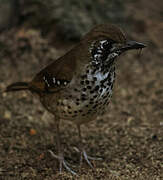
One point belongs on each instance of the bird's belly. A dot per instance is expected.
(87, 97)
(81, 111)
(84, 108)
(78, 108)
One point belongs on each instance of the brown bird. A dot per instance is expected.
(78, 86)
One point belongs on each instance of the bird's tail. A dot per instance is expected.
(18, 86)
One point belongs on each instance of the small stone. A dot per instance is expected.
(130, 119)
(4, 94)
(7, 115)
(32, 132)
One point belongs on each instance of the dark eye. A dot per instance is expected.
(107, 44)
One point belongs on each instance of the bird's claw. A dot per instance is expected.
(65, 164)
(87, 158)
(62, 162)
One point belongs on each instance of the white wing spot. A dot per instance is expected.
(54, 80)
(46, 81)
(58, 82)
(65, 83)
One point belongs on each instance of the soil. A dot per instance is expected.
(128, 138)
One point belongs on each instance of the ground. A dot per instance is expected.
(129, 137)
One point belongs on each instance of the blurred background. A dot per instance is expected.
(129, 137)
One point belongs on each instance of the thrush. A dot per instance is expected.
(78, 86)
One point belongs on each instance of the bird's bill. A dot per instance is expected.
(132, 45)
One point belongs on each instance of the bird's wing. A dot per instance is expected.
(55, 76)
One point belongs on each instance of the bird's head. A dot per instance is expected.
(107, 41)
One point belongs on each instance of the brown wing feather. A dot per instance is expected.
(56, 75)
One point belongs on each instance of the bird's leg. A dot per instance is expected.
(60, 156)
(83, 154)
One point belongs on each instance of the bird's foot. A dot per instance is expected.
(84, 156)
(62, 163)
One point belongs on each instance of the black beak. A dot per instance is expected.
(132, 45)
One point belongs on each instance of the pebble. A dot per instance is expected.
(7, 115)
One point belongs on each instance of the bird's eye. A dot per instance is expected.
(107, 44)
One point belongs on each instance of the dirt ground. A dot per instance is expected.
(129, 137)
